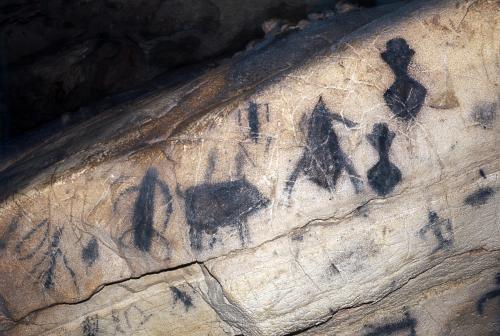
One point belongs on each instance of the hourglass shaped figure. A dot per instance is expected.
(406, 96)
(384, 176)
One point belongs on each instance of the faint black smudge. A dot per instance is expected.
(4, 239)
(485, 114)
(90, 326)
(408, 323)
(182, 296)
(481, 303)
(479, 197)
(90, 252)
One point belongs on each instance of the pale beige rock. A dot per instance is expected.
(160, 304)
(349, 260)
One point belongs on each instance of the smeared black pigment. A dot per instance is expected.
(323, 160)
(482, 173)
(333, 270)
(53, 253)
(479, 197)
(253, 121)
(212, 157)
(406, 324)
(90, 326)
(4, 240)
(90, 252)
(406, 96)
(225, 204)
(483, 300)
(42, 228)
(144, 209)
(183, 297)
(485, 114)
(384, 176)
(441, 229)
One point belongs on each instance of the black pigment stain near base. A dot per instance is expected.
(90, 326)
(441, 229)
(253, 121)
(323, 160)
(384, 176)
(406, 96)
(225, 204)
(144, 209)
(485, 298)
(90, 252)
(479, 197)
(183, 297)
(406, 324)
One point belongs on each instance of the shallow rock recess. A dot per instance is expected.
(341, 178)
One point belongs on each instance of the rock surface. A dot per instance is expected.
(57, 56)
(324, 183)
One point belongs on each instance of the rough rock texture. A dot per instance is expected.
(324, 183)
(57, 56)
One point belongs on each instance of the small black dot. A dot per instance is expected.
(481, 172)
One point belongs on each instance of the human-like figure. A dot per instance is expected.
(406, 96)
(324, 160)
(384, 176)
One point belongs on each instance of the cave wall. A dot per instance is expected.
(59, 55)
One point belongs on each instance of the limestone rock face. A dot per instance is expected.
(58, 56)
(331, 182)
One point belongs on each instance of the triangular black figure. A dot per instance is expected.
(323, 160)
(406, 96)
(384, 176)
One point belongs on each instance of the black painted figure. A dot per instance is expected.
(54, 252)
(211, 206)
(384, 176)
(45, 268)
(481, 303)
(406, 96)
(143, 229)
(441, 229)
(323, 160)
(407, 324)
(253, 121)
(143, 218)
